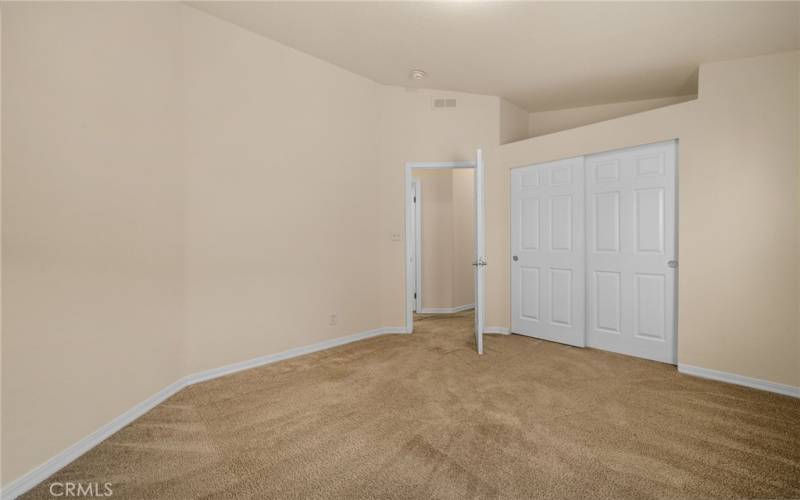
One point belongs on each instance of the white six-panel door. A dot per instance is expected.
(597, 231)
(631, 251)
(547, 246)
(480, 252)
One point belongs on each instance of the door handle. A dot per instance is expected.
(479, 262)
(515, 258)
(672, 264)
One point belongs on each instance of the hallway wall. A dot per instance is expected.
(464, 236)
(448, 229)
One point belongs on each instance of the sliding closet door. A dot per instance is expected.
(547, 247)
(631, 251)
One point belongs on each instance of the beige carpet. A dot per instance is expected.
(423, 416)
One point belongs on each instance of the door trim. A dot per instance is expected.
(408, 210)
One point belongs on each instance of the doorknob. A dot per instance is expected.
(479, 262)
(672, 264)
(515, 258)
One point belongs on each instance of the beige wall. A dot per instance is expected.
(448, 229)
(738, 221)
(547, 122)
(93, 211)
(463, 236)
(436, 212)
(409, 129)
(513, 123)
(281, 175)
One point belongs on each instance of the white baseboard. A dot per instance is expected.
(733, 378)
(45, 470)
(394, 329)
(496, 329)
(273, 358)
(53, 465)
(445, 310)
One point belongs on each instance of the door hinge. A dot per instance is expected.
(415, 295)
(415, 199)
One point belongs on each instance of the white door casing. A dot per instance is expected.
(547, 247)
(480, 252)
(631, 251)
(480, 243)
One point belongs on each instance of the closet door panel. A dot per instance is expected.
(631, 251)
(548, 275)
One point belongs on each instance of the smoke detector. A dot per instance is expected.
(417, 74)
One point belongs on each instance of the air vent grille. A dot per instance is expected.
(441, 102)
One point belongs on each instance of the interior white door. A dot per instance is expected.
(480, 253)
(418, 244)
(414, 237)
(631, 253)
(547, 251)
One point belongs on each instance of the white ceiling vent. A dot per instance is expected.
(444, 103)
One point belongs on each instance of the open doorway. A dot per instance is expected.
(444, 242)
(443, 234)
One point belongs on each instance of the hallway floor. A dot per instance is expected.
(423, 416)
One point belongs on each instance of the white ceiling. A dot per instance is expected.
(539, 55)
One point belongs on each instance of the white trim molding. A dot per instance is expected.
(733, 378)
(500, 330)
(445, 310)
(26, 482)
(440, 164)
(408, 210)
(273, 358)
(394, 330)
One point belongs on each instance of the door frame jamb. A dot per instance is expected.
(409, 213)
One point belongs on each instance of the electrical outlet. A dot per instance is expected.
(396, 237)
(334, 320)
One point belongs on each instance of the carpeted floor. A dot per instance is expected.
(423, 416)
